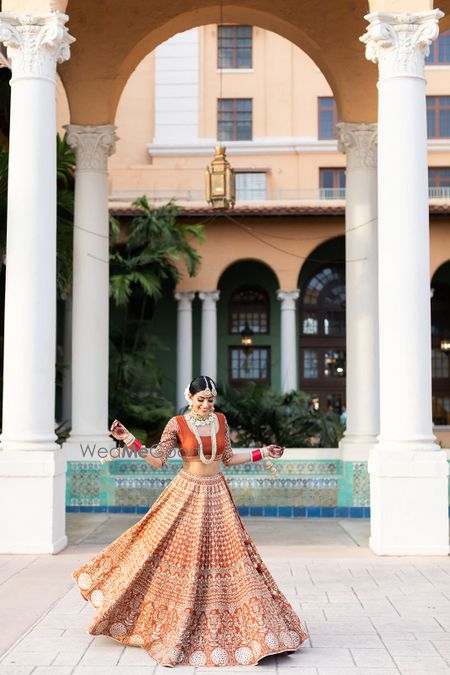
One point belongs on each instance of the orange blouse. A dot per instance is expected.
(177, 434)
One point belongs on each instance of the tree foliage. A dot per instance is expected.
(262, 416)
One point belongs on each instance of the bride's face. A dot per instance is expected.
(202, 404)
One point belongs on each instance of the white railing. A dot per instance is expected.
(256, 195)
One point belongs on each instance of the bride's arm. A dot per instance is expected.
(158, 454)
(230, 458)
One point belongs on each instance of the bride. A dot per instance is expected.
(186, 582)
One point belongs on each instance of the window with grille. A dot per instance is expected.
(438, 116)
(249, 307)
(234, 119)
(251, 186)
(234, 47)
(253, 365)
(328, 117)
(439, 50)
(332, 183)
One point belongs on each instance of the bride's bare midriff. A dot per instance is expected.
(197, 468)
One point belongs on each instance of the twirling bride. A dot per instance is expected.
(186, 582)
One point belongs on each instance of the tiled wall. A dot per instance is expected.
(305, 487)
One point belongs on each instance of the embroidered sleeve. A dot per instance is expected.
(168, 441)
(228, 451)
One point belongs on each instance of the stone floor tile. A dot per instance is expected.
(320, 656)
(15, 670)
(29, 658)
(347, 641)
(410, 648)
(430, 665)
(372, 658)
(53, 670)
(124, 670)
(136, 656)
(358, 671)
(102, 651)
(68, 658)
(362, 626)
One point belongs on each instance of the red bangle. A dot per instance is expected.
(256, 455)
(135, 445)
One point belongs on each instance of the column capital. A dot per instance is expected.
(93, 144)
(209, 296)
(288, 298)
(35, 43)
(399, 43)
(359, 143)
(184, 298)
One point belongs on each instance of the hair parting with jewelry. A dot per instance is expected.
(202, 383)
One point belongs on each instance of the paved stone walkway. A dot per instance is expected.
(367, 615)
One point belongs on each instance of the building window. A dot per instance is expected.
(322, 330)
(249, 307)
(439, 50)
(248, 366)
(234, 47)
(439, 181)
(328, 117)
(234, 119)
(438, 116)
(332, 183)
(251, 185)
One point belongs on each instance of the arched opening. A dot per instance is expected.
(440, 345)
(248, 308)
(322, 325)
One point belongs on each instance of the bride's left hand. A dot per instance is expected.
(275, 451)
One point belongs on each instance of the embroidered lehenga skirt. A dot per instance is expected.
(187, 584)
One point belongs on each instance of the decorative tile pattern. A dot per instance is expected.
(329, 486)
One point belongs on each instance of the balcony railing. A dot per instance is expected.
(256, 195)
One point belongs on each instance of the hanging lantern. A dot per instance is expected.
(219, 181)
(247, 339)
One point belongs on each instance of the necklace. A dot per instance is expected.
(193, 425)
(199, 420)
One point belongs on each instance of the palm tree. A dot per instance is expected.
(145, 257)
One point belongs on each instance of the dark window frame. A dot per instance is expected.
(439, 51)
(321, 342)
(242, 289)
(326, 104)
(435, 107)
(239, 119)
(241, 382)
(233, 43)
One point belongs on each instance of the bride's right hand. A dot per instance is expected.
(118, 430)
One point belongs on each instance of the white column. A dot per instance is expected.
(67, 358)
(359, 143)
(288, 339)
(209, 333)
(408, 471)
(90, 303)
(184, 344)
(32, 468)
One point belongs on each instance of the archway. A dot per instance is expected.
(322, 325)
(248, 299)
(440, 344)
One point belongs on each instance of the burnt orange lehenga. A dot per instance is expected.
(186, 582)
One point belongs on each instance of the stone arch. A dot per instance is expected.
(103, 60)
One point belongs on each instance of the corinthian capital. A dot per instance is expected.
(35, 44)
(288, 298)
(399, 43)
(359, 143)
(93, 144)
